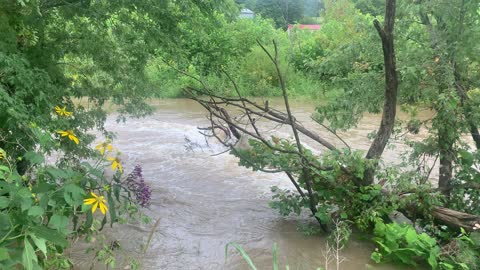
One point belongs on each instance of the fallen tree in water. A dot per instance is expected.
(308, 173)
(341, 183)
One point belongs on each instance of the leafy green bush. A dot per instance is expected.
(41, 210)
(401, 243)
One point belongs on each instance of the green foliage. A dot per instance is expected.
(283, 12)
(401, 243)
(287, 202)
(60, 63)
(43, 209)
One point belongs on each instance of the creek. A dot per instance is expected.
(205, 201)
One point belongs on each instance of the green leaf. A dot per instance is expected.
(466, 157)
(104, 221)
(4, 202)
(50, 235)
(242, 252)
(35, 211)
(24, 197)
(40, 243)
(116, 192)
(89, 219)
(432, 260)
(43, 188)
(73, 194)
(411, 236)
(58, 222)
(4, 254)
(111, 208)
(447, 266)
(34, 158)
(57, 173)
(28, 256)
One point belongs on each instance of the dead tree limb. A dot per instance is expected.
(305, 169)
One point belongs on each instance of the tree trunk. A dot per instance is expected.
(455, 219)
(391, 88)
(446, 167)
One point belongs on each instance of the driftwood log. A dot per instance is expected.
(455, 219)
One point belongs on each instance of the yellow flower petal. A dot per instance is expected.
(103, 208)
(62, 133)
(89, 201)
(93, 194)
(73, 138)
(94, 207)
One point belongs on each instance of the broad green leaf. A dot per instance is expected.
(40, 243)
(29, 255)
(58, 222)
(34, 158)
(57, 173)
(50, 235)
(411, 236)
(73, 194)
(4, 202)
(43, 187)
(24, 198)
(35, 211)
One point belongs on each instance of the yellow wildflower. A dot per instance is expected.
(62, 111)
(69, 134)
(97, 202)
(101, 147)
(116, 163)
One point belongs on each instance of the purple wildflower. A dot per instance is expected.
(137, 185)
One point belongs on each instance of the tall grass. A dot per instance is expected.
(249, 261)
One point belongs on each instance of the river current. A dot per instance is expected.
(205, 201)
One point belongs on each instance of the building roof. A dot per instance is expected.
(305, 26)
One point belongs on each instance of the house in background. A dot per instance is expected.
(247, 13)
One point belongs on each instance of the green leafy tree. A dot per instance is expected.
(283, 12)
(61, 62)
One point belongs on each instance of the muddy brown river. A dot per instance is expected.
(206, 201)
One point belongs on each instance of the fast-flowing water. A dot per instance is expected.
(205, 201)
